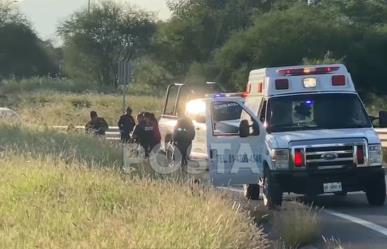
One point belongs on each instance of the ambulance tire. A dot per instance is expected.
(251, 191)
(376, 192)
(272, 193)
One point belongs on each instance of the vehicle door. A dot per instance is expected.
(169, 116)
(234, 142)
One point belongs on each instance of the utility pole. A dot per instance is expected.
(89, 6)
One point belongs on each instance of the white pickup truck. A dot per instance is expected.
(301, 129)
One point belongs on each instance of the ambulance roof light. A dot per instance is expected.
(281, 84)
(223, 95)
(307, 71)
(338, 80)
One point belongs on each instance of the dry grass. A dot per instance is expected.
(82, 148)
(53, 108)
(53, 196)
(332, 243)
(47, 204)
(297, 224)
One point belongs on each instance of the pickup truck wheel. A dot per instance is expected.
(376, 192)
(251, 191)
(272, 194)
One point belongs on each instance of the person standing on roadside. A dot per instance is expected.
(143, 132)
(126, 125)
(183, 135)
(96, 125)
(156, 131)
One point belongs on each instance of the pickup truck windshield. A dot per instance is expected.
(315, 112)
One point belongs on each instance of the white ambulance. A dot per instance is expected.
(303, 129)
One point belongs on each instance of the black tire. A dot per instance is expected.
(272, 193)
(251, 191)
(376, 192)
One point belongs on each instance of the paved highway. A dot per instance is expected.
(351, 220)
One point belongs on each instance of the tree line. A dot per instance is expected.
(207, 40)
(22, 53)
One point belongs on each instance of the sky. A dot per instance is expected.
(45, 15)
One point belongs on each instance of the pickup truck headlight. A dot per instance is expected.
(375, 155)
(280, 158)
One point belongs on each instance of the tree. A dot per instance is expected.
(199, 27)
(280, 38)
(22, 53)
(94, 42)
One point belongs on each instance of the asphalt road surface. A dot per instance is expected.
(350, 220)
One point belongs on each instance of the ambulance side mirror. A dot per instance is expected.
(383, 119)
(244, 128)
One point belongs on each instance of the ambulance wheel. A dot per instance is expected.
(251, 191)
(376, 192)
(272, 194)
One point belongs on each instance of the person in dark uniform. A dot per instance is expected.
(183, 135)
(138, 129)
(143, 133)
(156, 131)
(96, 125)
(126, 125)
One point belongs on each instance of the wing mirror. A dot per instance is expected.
(383, 119)
(244, 128)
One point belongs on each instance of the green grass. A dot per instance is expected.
(46, 204)
(385, 155)
(36, 84)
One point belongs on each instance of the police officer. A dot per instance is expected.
(183, 135)
(126, 125)
(96, 125)
(143, 133)
(156, 130)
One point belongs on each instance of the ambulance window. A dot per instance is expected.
(316, 112)
(226, 117)
(262, 115)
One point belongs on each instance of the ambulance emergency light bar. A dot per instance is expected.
(222, 95)
(310, 82)
(307, 71)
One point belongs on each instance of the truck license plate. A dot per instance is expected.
(332, 187)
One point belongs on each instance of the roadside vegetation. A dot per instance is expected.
(64, 190)
(61, 104)
(77, 177)
(297, 225)
(46, 204)
(42, 142)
